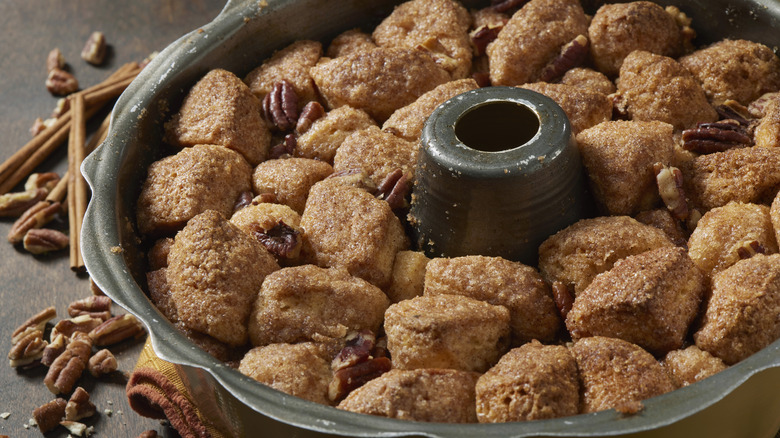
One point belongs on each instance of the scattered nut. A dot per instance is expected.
(282, 240)
(563, 298)
(707, 138)
(572, 55)
(74, 427)
(244, 200)
(28, 349)
(81, 323)
(54, 349)
(484, 35)
(61, 83)
(44, 240)
(280, 106)
(16, 203)
(101, 363)
(47, 181)
(670, 187)
(750, 248)
(312, 112)
(67, 368)
(55, 60)
(348, 379)
(285, 148)
(394, 189)
(79, 406)
(37, 127)
(36, 216)
(48, 416)
(116, 329)
(94, 306)
(358, 348)
(438, 52)
(63, 106)
(37, 321)
(94, 51)
(148, 434)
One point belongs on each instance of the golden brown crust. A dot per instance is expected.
(531, 382)
(289, 179)
(741, 316)
(326, 134)
(584, 107)
(377, 153)
(649, 299)
(221, 110)
(350, 41)
(498, 281)
(691, 365)
(662, 219)
(431, 395)
(408, 279)
(589, 79)
(292, 64)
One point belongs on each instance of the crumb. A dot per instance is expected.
(5, 415)
(117, 249)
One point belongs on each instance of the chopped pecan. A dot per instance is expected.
(280, 106)
(61, 83)
(285, 148)
(55, 60)
(670, 186)
(94, 51)
(394, 189)
(94, 306)
(54, 349)
(281, 240)
(484, 35)
(37, 321)
(750, 248)
(81, 323)
(758, 107)
(95, 289)
(148, 434)
(28, 349)
(507, 5)
(75, 428)
(244, 200)
(358, 348)
(264, 198)
(46, 180)
(693, 219)
(101, 363)
(37, 127)
(79, 406)
(733, 110)
(707, 138)
(684, 23)
(62, 106)
(312, 112)
(116, 329)
(16, 203)
(48, 416)
(44, 240)
(34, 217)
(563, 298)
(350, 378)
(572, 55)
(67, 368)
(438, 53)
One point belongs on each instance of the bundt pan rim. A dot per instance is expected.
(743, 400)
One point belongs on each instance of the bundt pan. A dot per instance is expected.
(742, 401)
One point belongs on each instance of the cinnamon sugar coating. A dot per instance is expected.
(214, 273)
(735, 69)
(584, 108)
(309, 303)
(576, 254)
(446, 331)
(662, 219)
(430, 395)
(741, 316)
(532, 38)
(325, 136)
(289, 179)
(589, 79)
(649, 299)
(408, 278)
(292, 63)
(691, 365)
(531, 382)
(498, 281)
(616, 374)
(179, 187)
(723, 232)
(221, 110)
(265, 216)
(619, 157)
(350, 41)
(376, 152)
(379, 81)
(440, 25)
(618, 29)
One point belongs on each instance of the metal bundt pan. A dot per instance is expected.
(743, 401)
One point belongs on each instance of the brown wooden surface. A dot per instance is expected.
(30, 29)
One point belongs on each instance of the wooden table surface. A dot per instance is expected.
(28, 284)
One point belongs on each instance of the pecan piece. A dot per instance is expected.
(394, 189)
(37, 127)
(358, 348)
(733, 110)
(350, 378)
(312, 112)
(47, 181)
(48, 416)
(438, 53)
(79, 406)
(507, 5)
(484, 35)
(76, 428)
(116, 329)
(285, 148)
(244, 200)
(44, 240)
(101, 363)
(54, 349)
(572, 55)
(94, 51)
(61, 83)
(750, 248)
(63, 106)
(16, 203)
(563, 298)
(670, 186)
(81, 323)
(280, 106)
(720, 136)
(94, 306)
(148, 434)
(67, 368)
(757, 108)
(37, 321)
(28, 349)
(282, 240)
(55, 60)
(34, 217)
(264, 198)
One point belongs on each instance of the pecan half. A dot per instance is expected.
(563, 298)
(484, 35)
(54, 349)
(37, 321)
(44, 240)
(34, 217)
(394, 189)
(358, 348)
(116, 329)
(507, 5)
(285, 148)
(46, 180)
(572, 55)
(67, 368)
(670, 186)
(94, 51)
(750, 248)
(312, 112)
(61, 83)
(48, 416)
(733, 110)
(55, 60)
(79, 406)
(101, 363)
(280, 106)
(16, 203)
(350, 378)
(720, 136)
(81, 323)
(94, 306)
(28, 349)
(281, 240)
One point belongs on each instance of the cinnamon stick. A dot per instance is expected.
(57, 194)
(77, 195)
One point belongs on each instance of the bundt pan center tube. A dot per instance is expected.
(742, 401)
